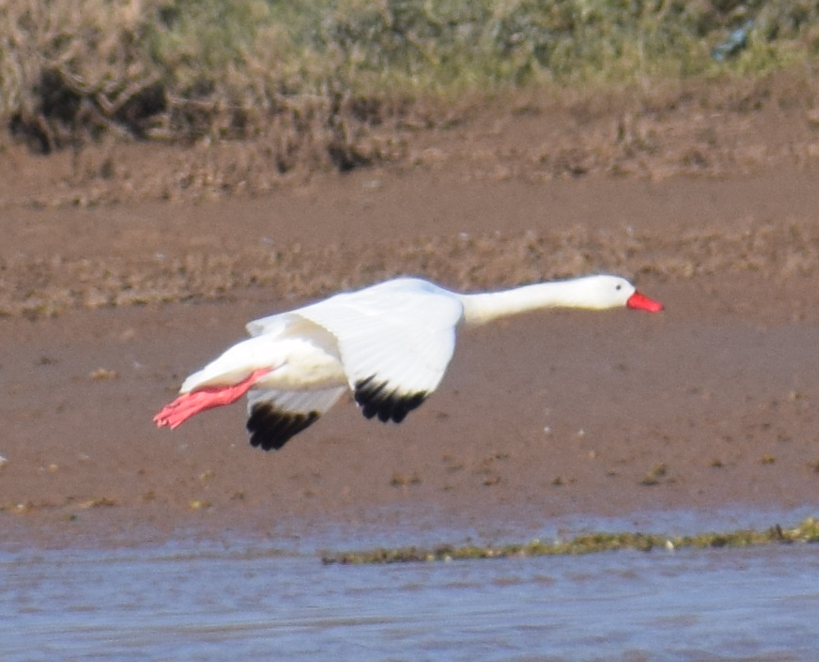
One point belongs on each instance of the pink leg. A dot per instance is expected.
(189, 404)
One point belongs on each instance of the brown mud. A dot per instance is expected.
(711, 404)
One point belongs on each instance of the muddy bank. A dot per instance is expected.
(364, 228)
(105, 309)
(710, 404)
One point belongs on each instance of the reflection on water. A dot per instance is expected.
(192, 602)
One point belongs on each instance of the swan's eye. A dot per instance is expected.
(619, 287)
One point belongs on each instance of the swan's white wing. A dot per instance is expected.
(275, 416)
(395, 339)
(275, 325)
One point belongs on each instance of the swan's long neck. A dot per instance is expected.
(482, 308)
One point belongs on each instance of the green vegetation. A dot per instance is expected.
(318, 71)
(806, 532)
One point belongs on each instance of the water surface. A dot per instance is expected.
(249, 600)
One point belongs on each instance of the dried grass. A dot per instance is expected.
(35, 287)
(75, 71)
(330, 78)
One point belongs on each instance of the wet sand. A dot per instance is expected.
(710, 404)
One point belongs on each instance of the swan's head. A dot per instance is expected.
(601, 292)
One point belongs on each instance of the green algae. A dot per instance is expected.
(805, 532)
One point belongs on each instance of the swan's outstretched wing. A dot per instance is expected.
(273, 325)
(395, 340)
(275, 416)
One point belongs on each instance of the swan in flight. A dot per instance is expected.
(389, 344)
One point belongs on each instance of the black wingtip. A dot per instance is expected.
(270, 428)
(375, 399)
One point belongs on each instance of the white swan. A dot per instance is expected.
(389, 344)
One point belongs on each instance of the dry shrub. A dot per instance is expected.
(72, 71)
(75, 69)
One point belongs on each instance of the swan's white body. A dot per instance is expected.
(389, 344)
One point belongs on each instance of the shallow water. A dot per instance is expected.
(194, 601)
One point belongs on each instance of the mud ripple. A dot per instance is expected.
(46, 286)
